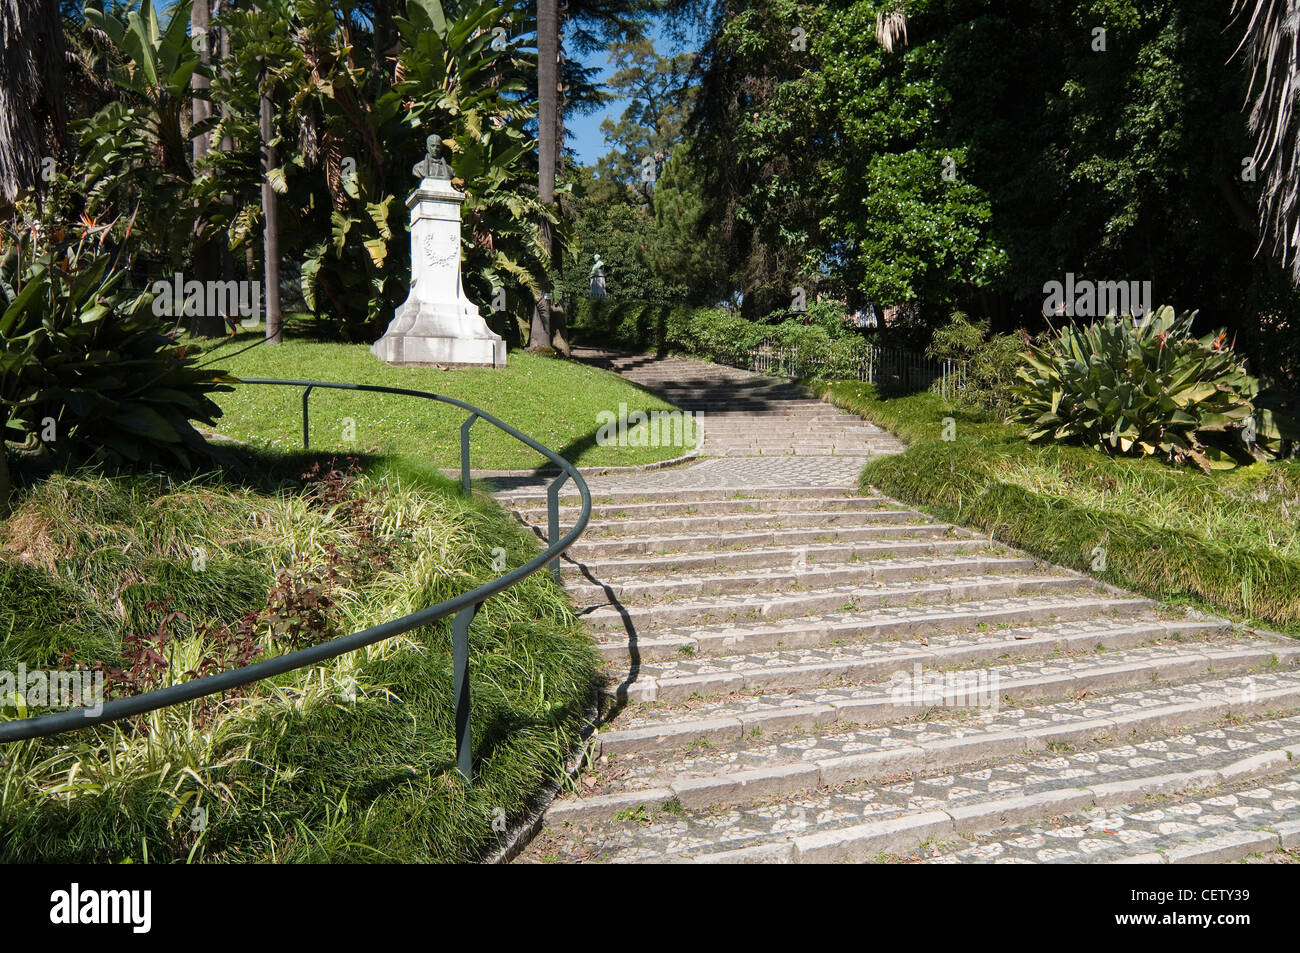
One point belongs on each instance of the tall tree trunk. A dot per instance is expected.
(201, 25)
(227, 145)
(208, 259)
(271, 221)
(559, 308)
(548, 56)
(31, 96)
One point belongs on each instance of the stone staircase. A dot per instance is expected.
(730, 401)
(804, 673)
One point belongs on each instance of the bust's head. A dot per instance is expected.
(433, 144)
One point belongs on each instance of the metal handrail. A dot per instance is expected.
(465, 605)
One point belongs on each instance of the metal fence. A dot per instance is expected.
(464, 606)
(890, 368)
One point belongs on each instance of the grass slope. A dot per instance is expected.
(349, 761)
(1228, 542)
(554, 401)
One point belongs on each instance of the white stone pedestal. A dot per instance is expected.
(437, 324)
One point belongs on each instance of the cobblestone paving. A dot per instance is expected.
(1110, 836)
(649, 770)
(1018, 639)
(653, 834)
(796, 678)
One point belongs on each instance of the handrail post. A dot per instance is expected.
(305, 395)
(464, 453)
(460, 678)
(553, 520)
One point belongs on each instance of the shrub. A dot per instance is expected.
(713, 333)
(96, 361)
(991, 362)
(1145, 390)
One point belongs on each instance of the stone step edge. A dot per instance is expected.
(842, 519)
(572, 509)
(900, 835)
(900, 532)
(807, 635)
(737, 494)
(896, 569)
(1224, 848)
(725, 728)
(743, 787)
(783, 555)
(605, 617)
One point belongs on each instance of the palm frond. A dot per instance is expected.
(1269, 38)
(891, 26)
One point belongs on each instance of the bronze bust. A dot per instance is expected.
(433, 166)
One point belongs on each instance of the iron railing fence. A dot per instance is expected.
(463, 607)
(883, 366)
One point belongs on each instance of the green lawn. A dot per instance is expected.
(352, 760)
(1228, 542)
(556, 402)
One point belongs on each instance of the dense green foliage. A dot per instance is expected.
(716, 334)
(997, 149)
(659, 97)
(990, 362)
(1227, 541)
(88, 371)
(348, 125)
(1147, 389)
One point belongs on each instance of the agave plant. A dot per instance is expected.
(1147, 389)
(88, 372)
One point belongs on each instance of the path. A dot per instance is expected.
(803, 673)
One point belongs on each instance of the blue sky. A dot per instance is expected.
(585, 136)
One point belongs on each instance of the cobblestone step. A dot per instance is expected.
(723, 524)
(648, 586)
(777, 451)
(779, 556)
(822, 503)
(1247, 809)
(674, 682)
(750, 771)
(929, 621)
(938, 816)
(532, 497)
(786, 604)
(738, 540)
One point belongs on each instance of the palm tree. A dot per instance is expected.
(1269, 38)
(548, 56)
(31, 101)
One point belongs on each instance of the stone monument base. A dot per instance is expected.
(444, 351)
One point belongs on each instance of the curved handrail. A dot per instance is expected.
(464, 605)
